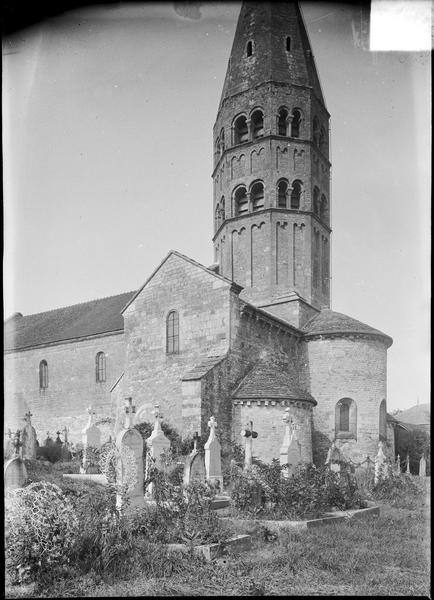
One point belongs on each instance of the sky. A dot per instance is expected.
(107, 157)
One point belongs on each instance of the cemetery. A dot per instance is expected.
(102, 509)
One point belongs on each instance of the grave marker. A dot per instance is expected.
(15, 473)
(29, 438)
(9, 449)
(290, 451)
(91, 438)
(129, 468)
(194, 469)
(158, 445)
(380, 464)
(422, 466)
(408, 465)
(213, 457)
(249, 435)
(334, 457)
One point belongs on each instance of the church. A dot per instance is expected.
(251, 335)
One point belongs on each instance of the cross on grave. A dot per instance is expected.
(158, 418)
(196, 439)
(250, 435)
(130, 410)
(65, 434)
(17, 443)
(27, 417)
(58, 440)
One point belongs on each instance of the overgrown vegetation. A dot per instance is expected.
(262, 491)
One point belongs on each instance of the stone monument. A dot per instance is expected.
(158, 445)
(194, 469)
(91, 438)
(213, 465)
(380, 464)
(422, 466)
(29, 439)
(129, 468)
(290, 451)
(8, 450)
(15, 472)
(249, 436)
(334, 458)
(408, 465)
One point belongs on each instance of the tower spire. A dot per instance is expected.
(271, 163)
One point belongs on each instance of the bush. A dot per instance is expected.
(40, 530)
(397, 489)
(310, 492)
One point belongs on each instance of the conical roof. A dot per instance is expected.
(329, 322)
(267, 25)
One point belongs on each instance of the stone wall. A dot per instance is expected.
(72, 385)
(347, 367)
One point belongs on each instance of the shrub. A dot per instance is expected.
(40, 530)
(397, 489)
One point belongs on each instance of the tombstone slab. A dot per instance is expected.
(29, 439)
(91, 438)
(133, 497)
(15, 473)
(290, 451)
(213, 457)
(158, 444)
(422, 466)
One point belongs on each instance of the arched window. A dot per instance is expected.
(288, 44)
(322, 140)
(222, 209)
(257, 196)
(217, 147)
(217, 216)
(346, 418)
(241, 202)
(282, 194)
(172, 333)
(100, 367)
(241, 133)
(282, 122)
(382, 422)
(222, 140)
(257, 124)
(323, 211)
(43, 375)
(249, 48)
(295, 123)
(296, 194)
(316, 131)
(316, 204)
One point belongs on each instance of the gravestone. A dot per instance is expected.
(194, 469)
(408, 464)
(158, 445)
(334, 458)
(65, 452)
(213, 464)
(29, 439)
(91, 438)
(15, 473)
(129, 468)
(8, 449)
(249, 436)
(380, 464)
(290, 451)
(398, 465)
(422, 466)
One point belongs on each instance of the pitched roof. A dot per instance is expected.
(237, 288)
(270, 382)
(202, 368)
(329, 322)
(95, 317)
(416, 415)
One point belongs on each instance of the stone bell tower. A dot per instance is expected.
(271, 166)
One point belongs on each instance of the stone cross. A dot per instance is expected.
(250, 435)
(58, 440)
(158, 418)
(65, 434)
(158, 445)
(290, 451)
(213, 456)
(408, 464)
(27, 418)
(130, 410)
(17, 442)
(92, 414)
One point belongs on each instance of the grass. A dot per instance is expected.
(386, 555)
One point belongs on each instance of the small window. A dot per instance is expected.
(257, 124)
(100, 367)
(222, 141)
(43, 375)
(241, 202)
(296, 195)
(322, 141)
(257, 196)
(346, 418)
(288, 43)
(282, 194)
(249, 48)
(172, 333)
(282, 122)
(295, 123)
(241, 132)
